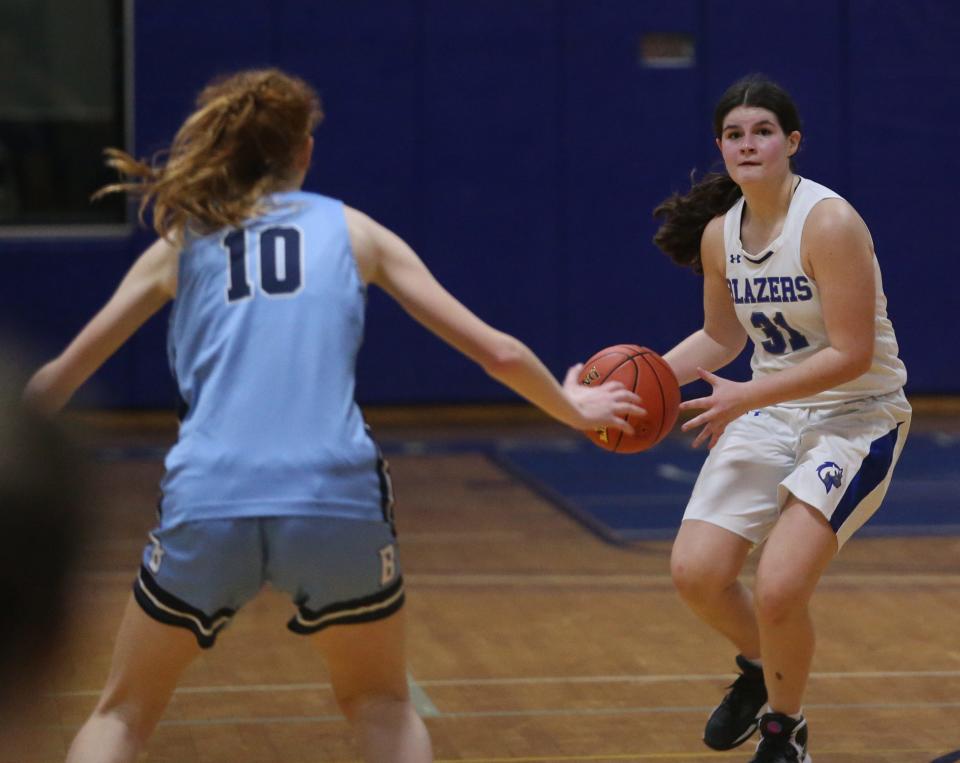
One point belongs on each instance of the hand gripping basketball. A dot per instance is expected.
(643, 371)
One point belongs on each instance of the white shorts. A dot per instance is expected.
(838, 459)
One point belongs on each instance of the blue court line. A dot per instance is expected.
(625, 499)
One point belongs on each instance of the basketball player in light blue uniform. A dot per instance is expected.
(274, 477)
(281, 443)
(802, 454)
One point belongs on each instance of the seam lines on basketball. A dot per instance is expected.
(663, 397)
(636, 378)
(631, 360)
(624, 355)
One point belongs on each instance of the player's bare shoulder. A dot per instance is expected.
(363, 240)
(834, 226)
(834, 215)
(711, 245)
(160, 263)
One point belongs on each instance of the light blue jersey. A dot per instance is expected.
(263, 340)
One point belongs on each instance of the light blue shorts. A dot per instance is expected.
(197, 575)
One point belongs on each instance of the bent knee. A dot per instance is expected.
(698, 582)
(696, 579)
(706, 560)
(777, 601)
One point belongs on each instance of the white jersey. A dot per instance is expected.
(778, 304)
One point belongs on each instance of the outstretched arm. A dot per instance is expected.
(386, 260)
(149, 284)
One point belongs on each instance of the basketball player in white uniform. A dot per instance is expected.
(802, 454)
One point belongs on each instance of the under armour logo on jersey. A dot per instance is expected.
(830, 474)
(735, 258)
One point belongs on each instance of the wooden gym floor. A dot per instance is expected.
(530, 638)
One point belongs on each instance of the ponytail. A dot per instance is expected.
(239, 144)
(684, 218)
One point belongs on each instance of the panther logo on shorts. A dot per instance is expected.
(830, 474)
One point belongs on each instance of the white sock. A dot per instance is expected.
(793, 716)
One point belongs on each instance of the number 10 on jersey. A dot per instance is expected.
(281, 262)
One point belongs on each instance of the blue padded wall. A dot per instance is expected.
(630, 136)
(365, 60)
(903, 126)
(520, 145)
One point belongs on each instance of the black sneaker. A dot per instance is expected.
(737, 716)
(782, 740)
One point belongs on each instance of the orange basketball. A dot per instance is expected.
(646, 373)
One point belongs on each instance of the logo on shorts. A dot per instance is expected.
(156, 554)
(388, 564)
(830, 474)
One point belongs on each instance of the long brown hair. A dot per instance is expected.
(239, 143)
(684, 216)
